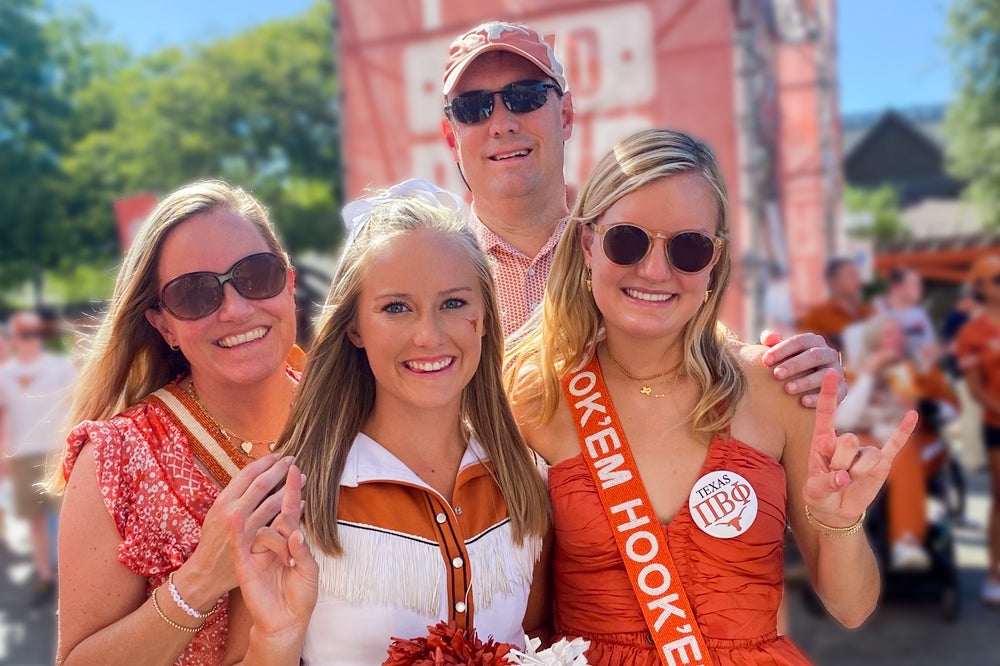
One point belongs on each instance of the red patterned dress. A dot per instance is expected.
(158, 497)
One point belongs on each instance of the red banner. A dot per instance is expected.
(130, 212)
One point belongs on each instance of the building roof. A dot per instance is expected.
(903, 150)
(928, 120)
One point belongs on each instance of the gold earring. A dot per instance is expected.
(707, 294)
(589, 281)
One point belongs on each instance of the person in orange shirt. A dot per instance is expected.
(978, 353)
(844, 306)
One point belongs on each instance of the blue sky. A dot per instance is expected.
(890, 52)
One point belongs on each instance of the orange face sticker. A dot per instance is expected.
(474, 323)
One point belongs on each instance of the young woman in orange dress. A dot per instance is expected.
(676, 459)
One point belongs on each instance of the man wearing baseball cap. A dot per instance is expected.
(978, 353)
(508, 114)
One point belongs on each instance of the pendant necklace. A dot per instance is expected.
(646, 389)
(244, 444)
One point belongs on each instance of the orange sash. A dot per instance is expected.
(638, 533)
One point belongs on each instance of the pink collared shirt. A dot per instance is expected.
(520, 279)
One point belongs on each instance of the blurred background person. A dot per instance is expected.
(5, 492)
(34, 398)
(965, 433)
(903, 301)
(885, 383)
(845, 304)
(978, 351)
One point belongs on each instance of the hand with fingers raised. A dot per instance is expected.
(844, 477)
(278, 576)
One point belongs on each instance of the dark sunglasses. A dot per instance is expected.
(687, 251)
(475, 106)
(196, 295)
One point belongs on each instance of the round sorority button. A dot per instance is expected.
(460, 607)
(441, 518)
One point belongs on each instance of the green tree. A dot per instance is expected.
(44, 59)
(973, 121)
(256, 109)
(881, 205)
(29, 140)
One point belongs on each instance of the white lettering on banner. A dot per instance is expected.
(589, 403)
(601, 439)
(633, 520)
(680, 646)
(665, 604)
(654, 568)
(650, 551)
(601, 443)
(606, 470)
(582, 383)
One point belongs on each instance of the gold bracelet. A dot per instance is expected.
(823, 528)
(179, 627)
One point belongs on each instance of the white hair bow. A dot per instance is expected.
(357, 212)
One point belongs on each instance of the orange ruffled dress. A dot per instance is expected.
(734, 585)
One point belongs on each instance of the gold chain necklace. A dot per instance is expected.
(245, 444)
(646, 389)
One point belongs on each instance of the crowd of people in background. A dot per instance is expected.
(35, 386)
(897, 358)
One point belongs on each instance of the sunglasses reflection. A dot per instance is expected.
(476, 106)
(688, 251)
(196, 295)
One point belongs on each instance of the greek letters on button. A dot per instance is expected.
(723, 504)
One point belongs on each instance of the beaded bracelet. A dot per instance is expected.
(823, 528)
(183, 605)
(179, 627)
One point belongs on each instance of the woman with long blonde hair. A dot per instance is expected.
(422, 502)
(191, 352)
(675, 456)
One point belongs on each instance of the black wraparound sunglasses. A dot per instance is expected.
(687, 251)
(475, 106)
(196, 295)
